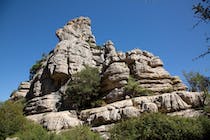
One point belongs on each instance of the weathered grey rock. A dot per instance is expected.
(115, 76)
(21, 92)
(149, 71)
(55, 121)
(166, 103)
(116, 94)
(110, 54)
(149, 107)
(196, 99)
(105, 115)
(155, 62)
(129, 112)
(75, 50)
(77, 28)
(41, 104)
(103, 130)
(188, 113)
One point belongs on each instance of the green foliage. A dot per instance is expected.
(84, 88)
(160, 126)
(32, 131)
(37, 66)
(207, 104)
(1, 103)
(133, 89)
(11, 118)
(14, 124)
(197, 82)
(98, 103)
(80, 133)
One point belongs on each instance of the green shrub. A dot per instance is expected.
(32, 131)
(11, 118)
(167, 90)
(160, 126)
(80, 133)
(98, 103)
(133, 89)
(83, 88)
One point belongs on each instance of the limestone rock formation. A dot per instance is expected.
(21, 91)
(76, 49)
(171, 103)
(55, 121)
(165, 103)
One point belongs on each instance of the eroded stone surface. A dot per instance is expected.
(55, 121)
(168, 102)
(21, 92)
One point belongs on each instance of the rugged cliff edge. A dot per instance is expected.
(76, 49)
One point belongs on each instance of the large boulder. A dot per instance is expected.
(115, 76)
(55, 121)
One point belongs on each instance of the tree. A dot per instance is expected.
(202, 12)
(83, 88)
(197, 82)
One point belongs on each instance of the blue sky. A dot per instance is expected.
(163, 27)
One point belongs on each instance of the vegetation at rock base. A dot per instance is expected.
(133, 88)
(80, 133)
(83, 88)
(37, 66)
(11, 118)
(162, 127)
(36, 132)
(14, 124)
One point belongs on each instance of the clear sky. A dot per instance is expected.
(163, 27)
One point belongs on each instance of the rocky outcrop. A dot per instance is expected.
(76, 49)
(188, 113)
(149, 71)
(170, 103)
(103, 130)
(55, 121)
(165, 103)
(21, 92)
